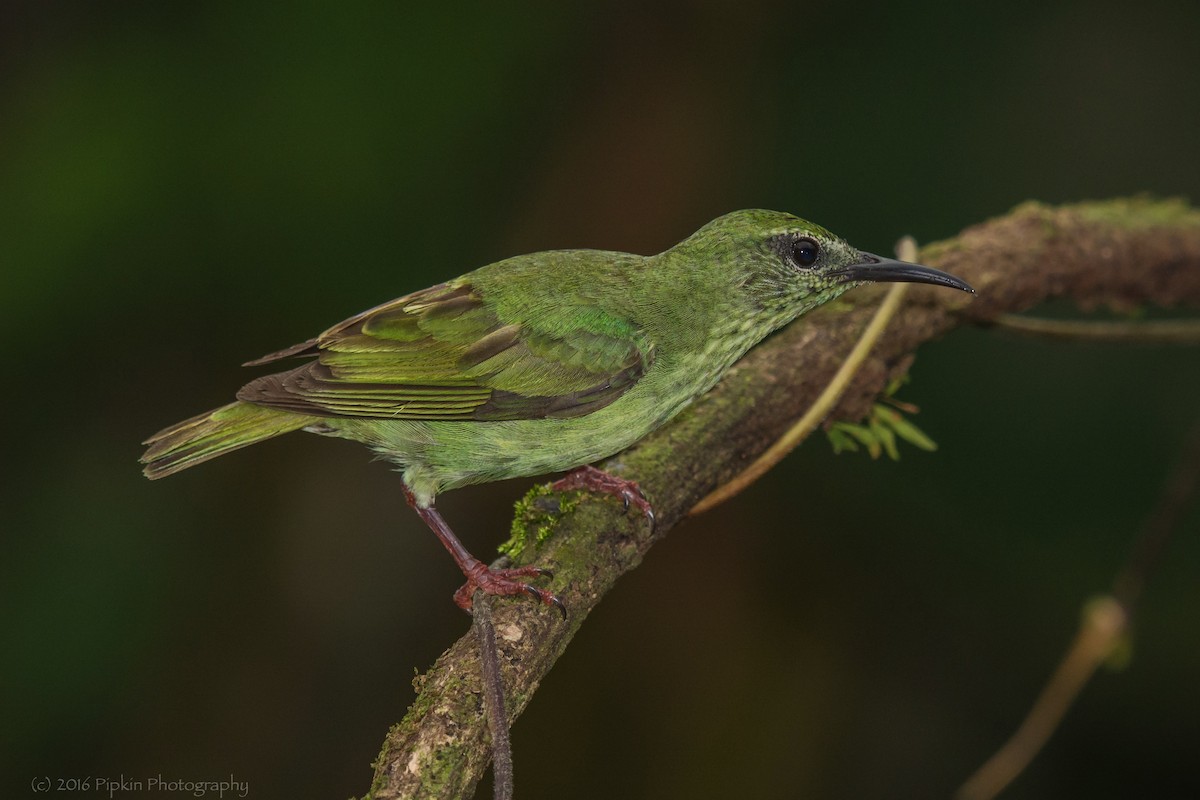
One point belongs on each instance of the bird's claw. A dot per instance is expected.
(597, 480)
(503, 583)
(546, 597)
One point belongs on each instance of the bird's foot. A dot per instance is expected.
(505, 583)
(597, 480)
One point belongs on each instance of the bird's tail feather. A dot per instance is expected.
(215, 433)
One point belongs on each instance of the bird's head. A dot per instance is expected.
(791, 265)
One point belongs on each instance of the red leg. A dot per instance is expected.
(501, 582)
(597, 480)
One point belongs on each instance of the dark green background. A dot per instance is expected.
(185, 188)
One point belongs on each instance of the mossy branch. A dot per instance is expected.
(1125, 254)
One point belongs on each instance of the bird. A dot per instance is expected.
(540, 363)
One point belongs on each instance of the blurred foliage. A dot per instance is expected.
(881, 431)
(186, 186)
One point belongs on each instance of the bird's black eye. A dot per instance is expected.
(805, 252)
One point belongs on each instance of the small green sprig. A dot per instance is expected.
(883, 427)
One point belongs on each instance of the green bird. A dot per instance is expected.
(539, 363)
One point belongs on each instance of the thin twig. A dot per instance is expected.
(1159, 331)
(1105, 622)
(1177, 495)
(906, 250)
(493, 696)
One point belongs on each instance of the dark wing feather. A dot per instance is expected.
(444, 354)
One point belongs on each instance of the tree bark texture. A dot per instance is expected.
(1124, 254)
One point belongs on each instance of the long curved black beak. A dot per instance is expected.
(889, 270)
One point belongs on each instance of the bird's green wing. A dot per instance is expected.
(445, 354)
